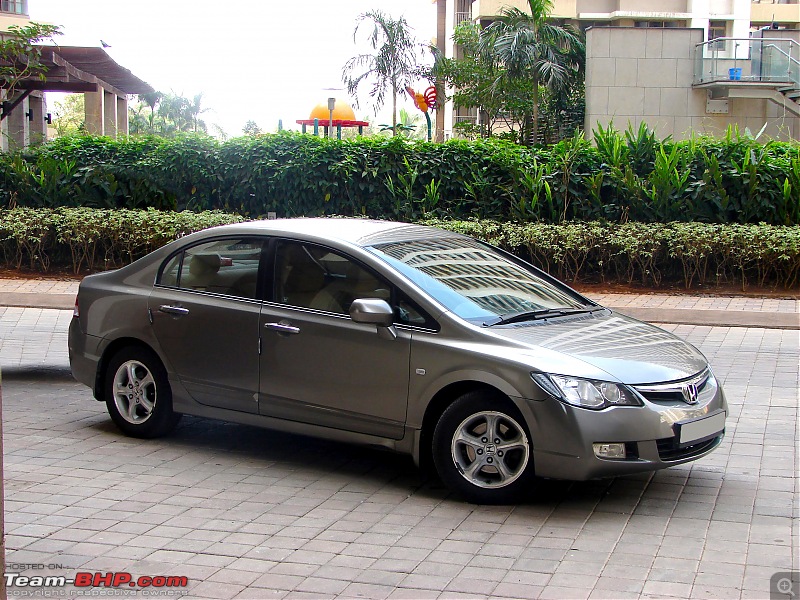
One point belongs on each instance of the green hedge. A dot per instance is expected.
(93, 239)
(618, 178)
(647, 253)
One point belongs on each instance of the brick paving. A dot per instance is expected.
(250, 513)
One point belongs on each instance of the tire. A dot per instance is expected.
(137, 393)
(484, 469)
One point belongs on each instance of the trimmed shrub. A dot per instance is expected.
(618, 178)
(652, 254)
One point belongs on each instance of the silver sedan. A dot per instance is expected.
(401, 336)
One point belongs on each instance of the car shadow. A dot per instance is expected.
(369, 468)
(36, 372)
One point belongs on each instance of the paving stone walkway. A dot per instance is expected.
(249, 513)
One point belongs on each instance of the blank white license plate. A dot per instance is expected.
(702, 428)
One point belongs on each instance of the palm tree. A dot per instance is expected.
(531, 47)
(392, 65)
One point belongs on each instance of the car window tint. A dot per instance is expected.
(408, 312)
(310, 276)
(170, 274)
(227, 267)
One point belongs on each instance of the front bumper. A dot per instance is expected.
(563, 435)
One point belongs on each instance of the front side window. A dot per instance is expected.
(473, 280)
(228, 267)
(310, 276)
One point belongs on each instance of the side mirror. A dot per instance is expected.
(373, 311)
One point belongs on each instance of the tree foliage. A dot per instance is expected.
(69, 116)
(481, 82)
(531, 48)
(166, 115)
(392, 65)
(20, 57)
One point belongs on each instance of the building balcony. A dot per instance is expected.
(737, 61)
(786, 11)
(758, 67)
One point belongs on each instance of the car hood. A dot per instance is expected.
(630, 351)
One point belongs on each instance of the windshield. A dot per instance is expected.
(473, 280)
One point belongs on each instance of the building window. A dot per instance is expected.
(716, 31)
(659, 24)
(463, 11)
(17, 7)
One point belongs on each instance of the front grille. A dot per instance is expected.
(658, 397)
(668, 448)
(670, 393)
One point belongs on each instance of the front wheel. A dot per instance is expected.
(482, 450)
(138, 396)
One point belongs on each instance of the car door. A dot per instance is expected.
(317, 365)
(205, 313)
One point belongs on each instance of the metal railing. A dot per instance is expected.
(762, 60)
(460, 17)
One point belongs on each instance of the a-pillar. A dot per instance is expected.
(93, 112)
(110, 113)
(122, 115)
(18, 126)
(37, 126)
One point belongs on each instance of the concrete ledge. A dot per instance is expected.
(28, 300)
(712, 318)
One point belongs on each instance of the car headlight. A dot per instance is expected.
(586, 393)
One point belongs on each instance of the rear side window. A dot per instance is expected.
(228, 267)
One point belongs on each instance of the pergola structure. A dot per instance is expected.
(72, 69)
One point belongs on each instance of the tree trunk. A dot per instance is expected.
(535, 122)
(394, 109)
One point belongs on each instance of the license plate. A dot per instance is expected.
(700, 429)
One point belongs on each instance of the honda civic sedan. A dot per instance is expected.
(387, 334)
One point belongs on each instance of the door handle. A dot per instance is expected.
(178, 311)
(282, 327)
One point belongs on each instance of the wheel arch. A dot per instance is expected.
(436, 407)
(108, 353)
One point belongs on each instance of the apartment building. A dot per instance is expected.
(723, 20)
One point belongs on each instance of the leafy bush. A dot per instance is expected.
(621, 177)
(693, 254)
(93, 239)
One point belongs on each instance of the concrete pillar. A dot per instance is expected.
(122, 115)
(3, 127)
(38, 128)
(110, 114)
(93, 111)
(18, 126)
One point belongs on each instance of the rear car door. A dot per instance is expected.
(205, 310)
(317, 365)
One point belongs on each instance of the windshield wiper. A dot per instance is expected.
(543, 313)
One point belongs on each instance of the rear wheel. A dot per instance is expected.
(138, 396)
(482, 450)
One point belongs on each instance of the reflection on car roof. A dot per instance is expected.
(362, 232)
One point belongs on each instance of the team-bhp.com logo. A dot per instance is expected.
(95, 580)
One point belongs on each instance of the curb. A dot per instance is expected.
(712, 318)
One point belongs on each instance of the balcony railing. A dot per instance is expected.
(762, 60)
(462, 16)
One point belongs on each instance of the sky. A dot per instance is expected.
(260, 60)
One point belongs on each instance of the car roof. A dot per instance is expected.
(361, 232)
